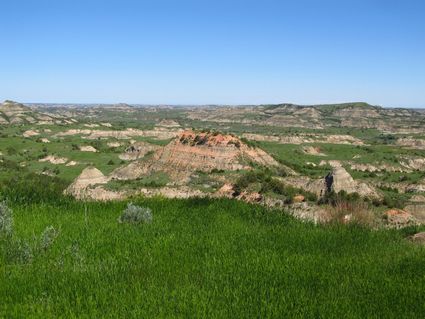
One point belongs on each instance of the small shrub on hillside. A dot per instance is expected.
(134, 214)
(17, 250)
(11, 151)
(47, 238)
(6, 220)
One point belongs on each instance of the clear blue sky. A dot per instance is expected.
(226, 52)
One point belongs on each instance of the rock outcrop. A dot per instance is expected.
(418, 238)
(54, 159)
(411, 142)
(340, 180)
(166, 123)
(88, 148)
(416, 207)
(89, 177)
(17, 113)
(192, 151)
(311, 150)
(138, 150)
(305, 138)
(336, 181)
(30, 133)
(124, 134)
(397, 218)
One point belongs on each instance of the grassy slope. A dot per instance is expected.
(208, 258)
(28, 150)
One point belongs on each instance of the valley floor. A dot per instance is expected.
(207, 258)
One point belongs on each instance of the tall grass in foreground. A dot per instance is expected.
(208, 258)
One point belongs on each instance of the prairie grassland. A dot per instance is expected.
(206, 258)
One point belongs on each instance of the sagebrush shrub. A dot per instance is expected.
(6, 220)
(134, 214)
(48, 237)
(15, 249)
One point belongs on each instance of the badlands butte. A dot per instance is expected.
(305, 160)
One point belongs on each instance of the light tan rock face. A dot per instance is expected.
(341, 180)
(416, 188)
(226, 191)
(414, 163)
(419, 238)
(411, 143)
(311, 150)
(90, 176)
(54, 159)
(131, 171)
(169, 192)
(98, 193)
(416, 207)
(17, 113)
(357, 113)
(30, 133)
(11, 109)
(88, 148)
(250, 197)
(168, 123)
(124, 134)
(72, 132)
(378, 167)
(305, 138)
(114, 144)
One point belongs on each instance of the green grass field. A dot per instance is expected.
(207, 258)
